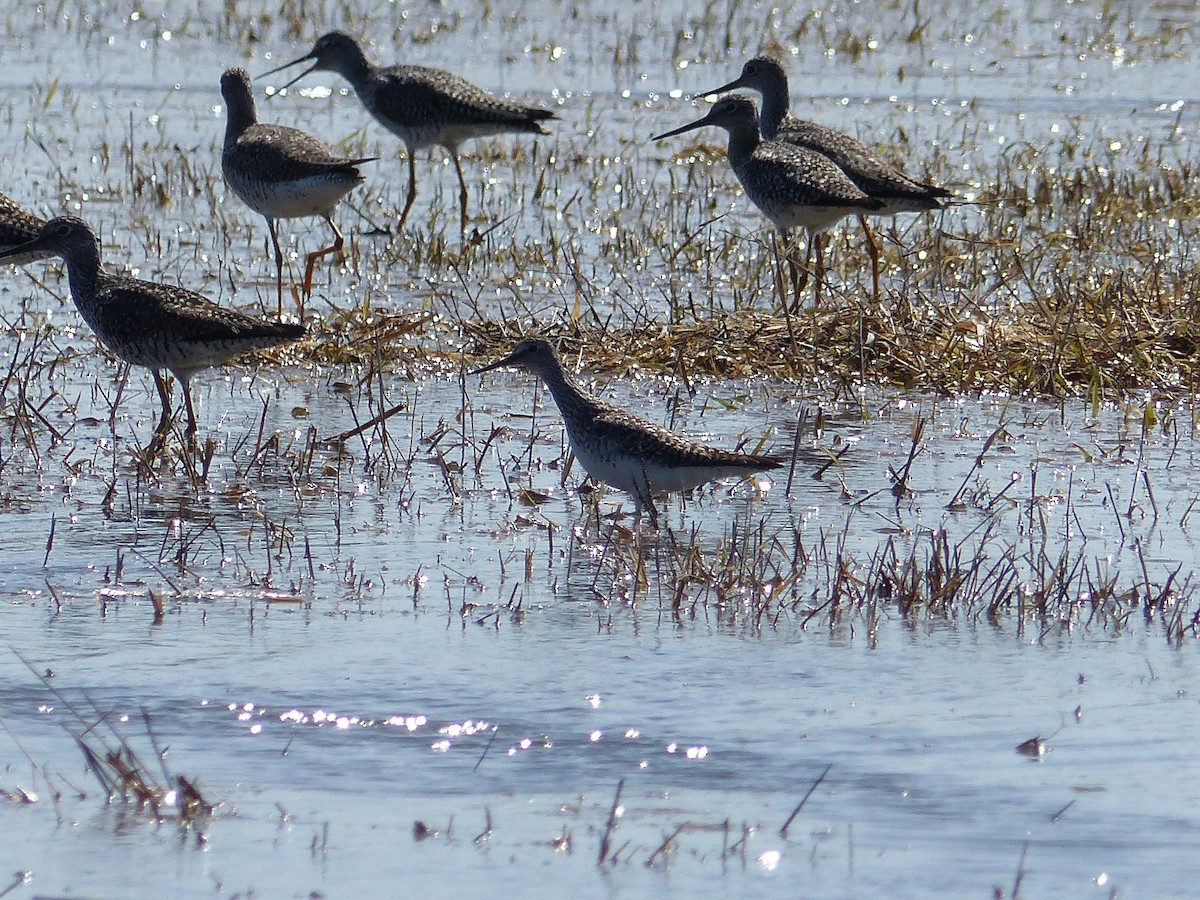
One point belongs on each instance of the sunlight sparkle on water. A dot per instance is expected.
(769, 860)
(463, 729)
(412, 723)
(523, 744)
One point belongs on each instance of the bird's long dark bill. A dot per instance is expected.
(691, 126)
(35, 244)
(733, 85)
(294, 62)
(499, 364)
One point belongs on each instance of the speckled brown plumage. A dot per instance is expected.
(624, 450)
(281, 172)
(422, 106)
(17, 226)
(147, 323)
(868, 170)
(794, 187)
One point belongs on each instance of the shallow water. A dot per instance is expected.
(364, 694)
(360, 638)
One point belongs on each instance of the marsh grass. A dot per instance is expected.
(1055, 282)
(757, 578)
(123, 776)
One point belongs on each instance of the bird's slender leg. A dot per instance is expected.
(190, 433)
(650, 508)
(335, 247)
(159, 440)
(643, 505)
(643, 498)
(873, 249)
(781, 291)
(412, 187)
(278, 262)
(820, 273)
(778, 272)
(799, 273)
(462, 193)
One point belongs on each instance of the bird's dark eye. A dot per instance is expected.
(63, 230)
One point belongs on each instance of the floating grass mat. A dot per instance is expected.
(1103, 342)
(1102, 345)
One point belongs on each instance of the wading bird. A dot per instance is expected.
(147, 323)
(282, 173)
(422, 106)
(793, 187)
(621, 449)
(873, 174)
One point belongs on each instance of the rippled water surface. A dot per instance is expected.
(420, 660)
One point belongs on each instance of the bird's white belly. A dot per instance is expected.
(418, 137)
(813, 218)
(897, 206)
(644, 478)
(315, 196)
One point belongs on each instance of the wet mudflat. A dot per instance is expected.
(412, 656)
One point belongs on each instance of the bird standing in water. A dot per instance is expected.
(151, 324)
(624, 450)
(282, 173)
(874, 175)
(424, 107)
(793, 187)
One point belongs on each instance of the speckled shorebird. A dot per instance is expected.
(794, 187)
(146, 323)
(19, 227)
(282, 173)
(621, 449)
(868, 170)
(422, 106)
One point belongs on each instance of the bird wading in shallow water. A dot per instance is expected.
(424, 107)
(147, 323)
(282, 173)
(621, 449)
(868, 170)
(793, 187)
